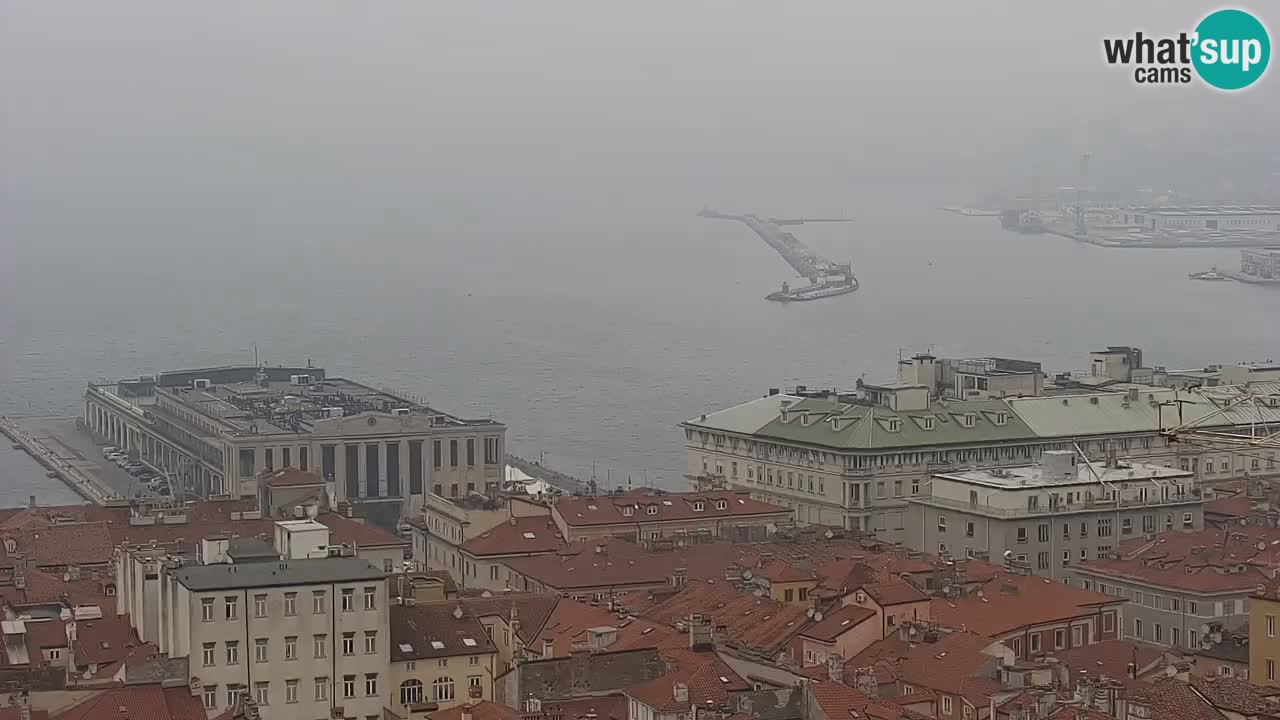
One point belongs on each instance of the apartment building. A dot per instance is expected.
(484, 556)
(441, 654)
(649, 514)
(1053, 514)
(1176, 585)
(216, 429)
(1264, 645)
(853, 459)
(445, 524)
(972, 378)
(596, 570)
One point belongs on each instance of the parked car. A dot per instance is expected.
(110, 450)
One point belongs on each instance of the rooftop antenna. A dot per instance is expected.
(255, 355)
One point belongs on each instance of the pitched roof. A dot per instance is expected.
(592, 564)
(531, 609)
(1110, 658)
(648, 505)
(894, 591)
(602, 707)
(1172, 699)
(346, 531)
(87, 543)
(141, 702)
(571, 620)
(706, 678)
(1207, 561)
(838, 622)
(841, 702)
(1236, 694)
(436, 630)
(104, 640)
(517, 536)
(42, 588)
(782, 572)
(953, 664)
(1012, 602)
(741, 617)
(292, 477)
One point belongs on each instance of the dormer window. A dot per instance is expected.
(1002, 418)
(651, 509)
(928, 422)
(894, 425)
(969, 420)
(628, 510)
(721, 505)
(697, 506)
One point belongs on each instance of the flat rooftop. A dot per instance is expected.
(1025, 476)
(1210, 210)
(318, 571)
(267, 400)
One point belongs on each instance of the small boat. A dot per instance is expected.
(1211, 276)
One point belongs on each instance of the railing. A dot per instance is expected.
(1062, 507)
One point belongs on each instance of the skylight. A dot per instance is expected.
(406, 647)
(529, 536)
(469, 642)
(437, 645)
(667, 503)
(724, 679)
(592, 507)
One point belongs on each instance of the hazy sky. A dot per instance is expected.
(147, 92)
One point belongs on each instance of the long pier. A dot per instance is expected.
(45, 440)
(804, 261)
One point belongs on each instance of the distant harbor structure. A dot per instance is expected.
(826, 278)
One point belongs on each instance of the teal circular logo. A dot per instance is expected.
(1232, 49)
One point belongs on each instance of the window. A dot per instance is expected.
(1174, 635)
(1137, 628)
(435, 456)
(291, 647)
(788, 595)
(1193, 607)
(942, 523)
(1042, 560)
(491, 451)
(260, 650)
(1193, 639)
(1104, 551)
(1104, 527)
(207, 655)
(233, 652)
(1042, 532)
(946, 704)
(1035, 642)
(1022, 535)
(371, 684)
(411, 692)
(210, 697)
(348, 643)
(232, 607)
(471, 452)
(473, 681)
(1066, 557)
(915, 486)
(233, 694)
(1271, 669)
(348, 599)
(317, 602)
(291, 691)
(473, 660)
(453, 453)
(880, 489)
(261, 693)
(370, 598)
(442, 689)
(320, 643)
(651, 510)
(370, 642)
(322, 689)
(290, 604)
(206, 609)
(968, 529)
(1077, 635)
(1156, 634)
(897, 488)
(349, 681)
(1187, 520)
(722, 505)
(444, 662)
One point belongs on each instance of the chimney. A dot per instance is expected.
(19, 571)
(835, 668)
(680, 692)
(73, 572)
(23, 701)
(701, 633)
(466, 712)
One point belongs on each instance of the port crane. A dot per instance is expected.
(1262, 434)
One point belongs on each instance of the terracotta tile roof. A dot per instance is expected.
(12, 712)
(1111, 658)
(1075, 712)
(47, 634)
(603, 707)
(44, 588)
(436, 630)
(105, 640)
(739, 617)
(782, 572)
(87, 543)
(531, 609)
(1239, 506)
(1172, 699)
(841, 702)
(838, 622)
(579, 511)
(707, 679)
(517, 536)
(345, 531)
(570, 621)
(894, 591)
(954, 664)
(141, 702)
(483, 710)
(291, 477)
(595, 564)
(1206, 561)
(1011, 602)
(1237, 695)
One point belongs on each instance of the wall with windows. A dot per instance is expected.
(447, 681)
(1166, 616)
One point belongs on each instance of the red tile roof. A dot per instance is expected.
(44, 588)
(1013, 602)
(595, 564)
(436, 630)
(105, 640)
(517, 536)
(894, 591)
(841, 702)
(607, 707)
(141, 702)
(1225, 508)
(483, 710)
(578, 511)
(292, 477)
(61, 545)
(1110, 658)
(1237, 695)
(838, 622)
(570, 621)
(955, 664)
(706, 678)
(741, 617)
(531, 609)
(1172, 699)
(1203, 561)
(778, 571)
(345, 531)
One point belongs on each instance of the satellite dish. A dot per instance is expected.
(809, 612)
(1008, 554)
(911, 630)
(1262, 545)
(817, 617)
(946, 589)
(747, 574)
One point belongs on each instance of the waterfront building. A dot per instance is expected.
(446, 524)
(217, 429)
(1261, 262)
(1175, 584)
(647, 514)
(1053, 514)
(1220, 217)
(853, 458)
